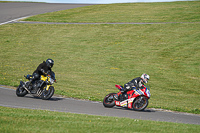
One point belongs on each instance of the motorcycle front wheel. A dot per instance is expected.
(140, 103)
(47, 94)
(108, 101)
(20, 91)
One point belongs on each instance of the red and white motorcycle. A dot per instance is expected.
(136, 99)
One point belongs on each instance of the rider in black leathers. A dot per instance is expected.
(42, 69)
(135, 83)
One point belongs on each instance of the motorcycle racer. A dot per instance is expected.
(42, 69)
(135, 83)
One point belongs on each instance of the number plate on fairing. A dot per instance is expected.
(124, 103)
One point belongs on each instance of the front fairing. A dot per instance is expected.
(147, 91)
(50, 78)
(143, 91)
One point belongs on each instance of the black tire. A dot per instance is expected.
(109, 103)
(47, 94)
(20, 91)
(140, 103)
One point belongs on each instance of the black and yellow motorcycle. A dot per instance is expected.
(40, 88)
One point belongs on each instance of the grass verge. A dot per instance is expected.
(25, 120)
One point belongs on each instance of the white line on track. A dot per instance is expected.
(14, 20)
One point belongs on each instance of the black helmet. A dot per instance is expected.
(50, 63)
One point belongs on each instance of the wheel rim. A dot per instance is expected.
(140, 103)
(46, 92)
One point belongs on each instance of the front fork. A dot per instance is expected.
(24, 86)
(47, 88)
(40, 91)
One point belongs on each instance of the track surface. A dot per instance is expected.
(11, 11)
(8, 98)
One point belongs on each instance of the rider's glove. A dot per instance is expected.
(42, 70)
(127, 87)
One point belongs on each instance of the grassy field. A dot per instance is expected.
(91, 59)
(128, 12)
(40, 121)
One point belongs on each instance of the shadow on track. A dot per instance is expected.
(51, 99)
(146, 110)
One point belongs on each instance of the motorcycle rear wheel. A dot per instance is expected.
(47, 94)
(140, 103)
(109, 103)
(20, 91)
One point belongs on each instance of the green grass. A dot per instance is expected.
(91, 59)
(25, 120)
(128, 12)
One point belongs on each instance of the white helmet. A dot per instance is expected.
(145, 77)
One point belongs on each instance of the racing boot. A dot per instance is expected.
(116, 96)
(125, 96)
(28, 85)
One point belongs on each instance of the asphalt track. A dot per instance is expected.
(8, 98)
(12, 11)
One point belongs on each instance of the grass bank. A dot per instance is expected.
(187, 11)
(91, 59)
(25, 120)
